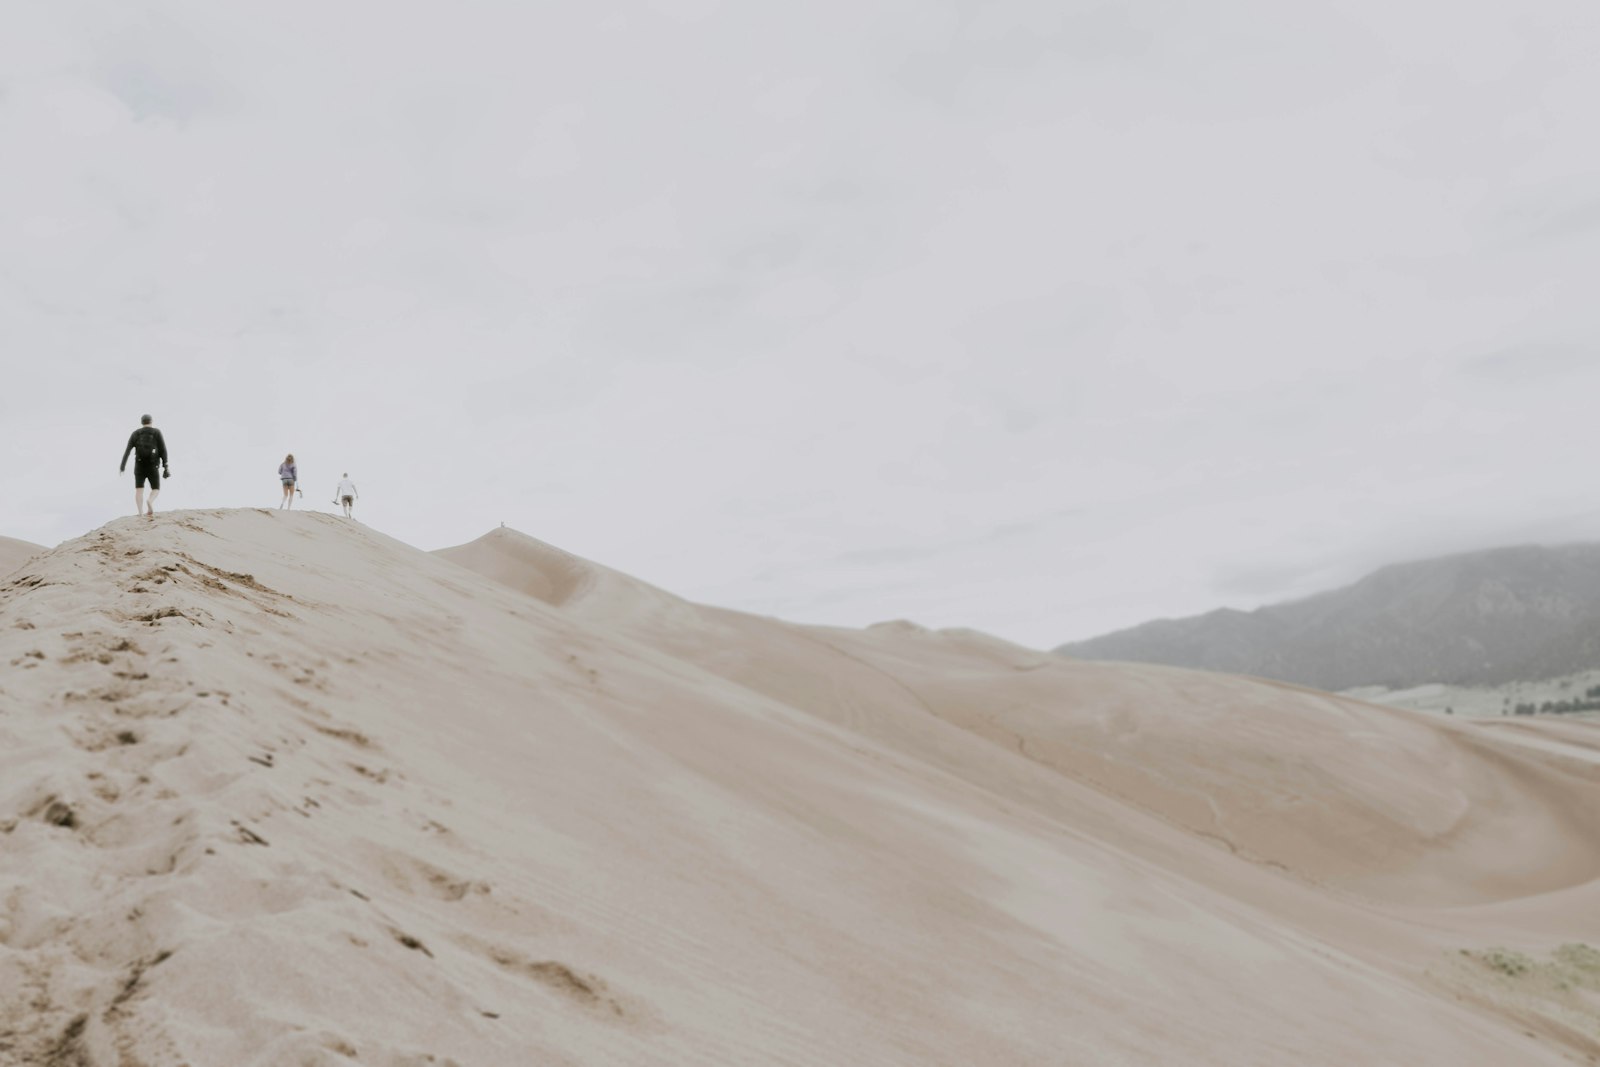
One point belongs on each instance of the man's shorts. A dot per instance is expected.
(146, 471)
(347, 500)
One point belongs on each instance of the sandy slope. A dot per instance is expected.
(13, 553)
(1426, 815)
(1394, 805)
(275, 789)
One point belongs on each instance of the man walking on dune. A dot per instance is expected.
(149, 450)
(346, 494)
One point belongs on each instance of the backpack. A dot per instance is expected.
(146, 443)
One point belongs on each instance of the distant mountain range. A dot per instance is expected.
(1481, 618)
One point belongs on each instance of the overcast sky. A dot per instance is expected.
(1044, 317)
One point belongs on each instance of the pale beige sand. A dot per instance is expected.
(1333, 794)
(276, 789)
(14, 553)
(1576, 737)
(1395, 805)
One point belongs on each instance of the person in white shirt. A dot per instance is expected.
(346, 494)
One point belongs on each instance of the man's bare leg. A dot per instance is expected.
(138, 500)
(150, 509)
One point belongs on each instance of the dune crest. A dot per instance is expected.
(13, 553)
(277, 789)
(580, 587)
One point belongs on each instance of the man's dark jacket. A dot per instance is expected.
(146, 439)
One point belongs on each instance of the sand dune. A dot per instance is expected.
(276, 789)
(1396, 806)
(13, 553)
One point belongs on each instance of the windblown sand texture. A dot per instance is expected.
(14, 553)
(278, 790)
